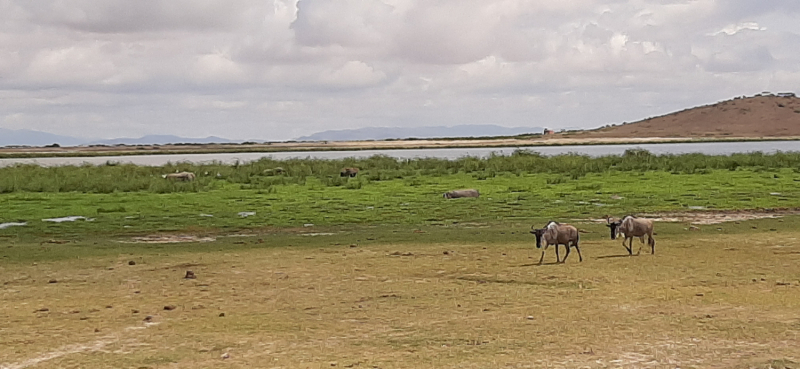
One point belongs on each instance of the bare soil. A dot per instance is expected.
(722, 302)
(715, 216)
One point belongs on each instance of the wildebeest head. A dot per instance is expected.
(614, 226)
(538, 232)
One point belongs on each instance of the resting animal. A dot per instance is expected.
(455, 194)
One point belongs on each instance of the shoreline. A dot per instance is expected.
(176, 149)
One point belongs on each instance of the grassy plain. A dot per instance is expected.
(390, 274)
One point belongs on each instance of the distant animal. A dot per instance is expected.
(348, 172)
(180, 176)
(555, 233)
(631, 227)
(274, 171)
(455, 194)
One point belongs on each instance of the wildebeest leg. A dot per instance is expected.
(640, 246)
(580, 258)
(542, 258)
(567, 255)
(630, 249)
(652, 242)
(557, 256)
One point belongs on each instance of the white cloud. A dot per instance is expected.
(284, 68)
(733, 29)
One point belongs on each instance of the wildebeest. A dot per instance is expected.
(455, 194)
(631, 227)
(180, 176)
(348, 172)
(555, 233)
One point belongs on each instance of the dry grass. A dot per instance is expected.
(706, 302)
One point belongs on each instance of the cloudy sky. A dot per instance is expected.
(279, 69)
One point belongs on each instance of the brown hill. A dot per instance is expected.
(758, 116)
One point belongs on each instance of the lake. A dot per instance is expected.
(709, 148)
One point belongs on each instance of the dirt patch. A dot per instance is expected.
(716, 217)
(169, 239)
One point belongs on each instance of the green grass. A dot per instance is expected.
(409, 201)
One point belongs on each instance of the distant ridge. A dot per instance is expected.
(384, 133)
(26, 137)
(762, 115)
(162, 140)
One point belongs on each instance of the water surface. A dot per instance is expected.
(708, 148)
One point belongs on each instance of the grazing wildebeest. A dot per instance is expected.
(555, 233)
(180, 176)
(631, 227)
(348, 172)
(455, 194)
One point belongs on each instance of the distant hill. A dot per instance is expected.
(26, 137)
(383, 133)
(162, 140)
(764, 115)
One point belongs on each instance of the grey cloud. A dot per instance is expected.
(120, 16)
(285, 68)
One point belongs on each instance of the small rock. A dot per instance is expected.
(135, 311)
(148, 318)
(52, 281)
(84, 318)
(190, 275)
(221, 315)
(333, 363)
(783, 283)
(225, 356)
(170, 307)
(694, 228)
(96, 330)
(446, 253)
(699, 294)
(109, 306)
(131, 262)
(529, 317)
(42, 310)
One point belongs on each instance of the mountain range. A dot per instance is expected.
(384, 133)
(26, 137)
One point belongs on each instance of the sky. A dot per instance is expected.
(278, 69)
